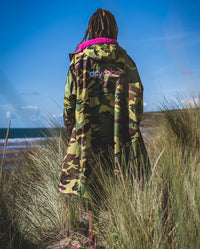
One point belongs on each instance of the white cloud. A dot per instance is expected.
(9, 115)
(145, 104)
(57, 115)
(29, 112)
(29, 107)
(20, 115)
(193, 102)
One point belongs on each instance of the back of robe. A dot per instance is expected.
(103, 106)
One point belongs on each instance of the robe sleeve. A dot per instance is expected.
(135, 115)
(135, 102)
(70, 101)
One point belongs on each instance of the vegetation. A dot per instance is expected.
(165, 213)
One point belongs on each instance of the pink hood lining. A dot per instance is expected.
(94, 41)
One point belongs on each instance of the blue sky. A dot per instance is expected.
(163, 38)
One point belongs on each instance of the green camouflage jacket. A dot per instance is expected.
(103, 105)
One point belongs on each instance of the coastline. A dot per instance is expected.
(12, 158)
(17, 147)
(15, 150)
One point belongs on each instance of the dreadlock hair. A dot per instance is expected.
(101, 24)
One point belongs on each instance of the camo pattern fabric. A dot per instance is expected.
(103, 106)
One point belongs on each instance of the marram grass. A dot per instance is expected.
(163, 213)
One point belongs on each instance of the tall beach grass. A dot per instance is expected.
(165, 213)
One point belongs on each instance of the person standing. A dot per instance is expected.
(103, 106)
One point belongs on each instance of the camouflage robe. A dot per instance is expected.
(103, 105)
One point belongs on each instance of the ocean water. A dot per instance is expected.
(19, 140)
(24, 132)
(21, 137)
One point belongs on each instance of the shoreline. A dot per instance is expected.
(12, 158)
(15, 150)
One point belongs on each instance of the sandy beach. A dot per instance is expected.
(12, 157)
(14, 153)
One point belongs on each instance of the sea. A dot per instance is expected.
(21, 137)
(18, 141)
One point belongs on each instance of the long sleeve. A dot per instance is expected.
(135, 102)
(128, 110)
(70, 101)
(135, 115)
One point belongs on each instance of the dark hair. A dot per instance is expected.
(101, 24)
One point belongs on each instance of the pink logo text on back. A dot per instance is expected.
(100, 75)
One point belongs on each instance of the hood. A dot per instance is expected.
(100, 49)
